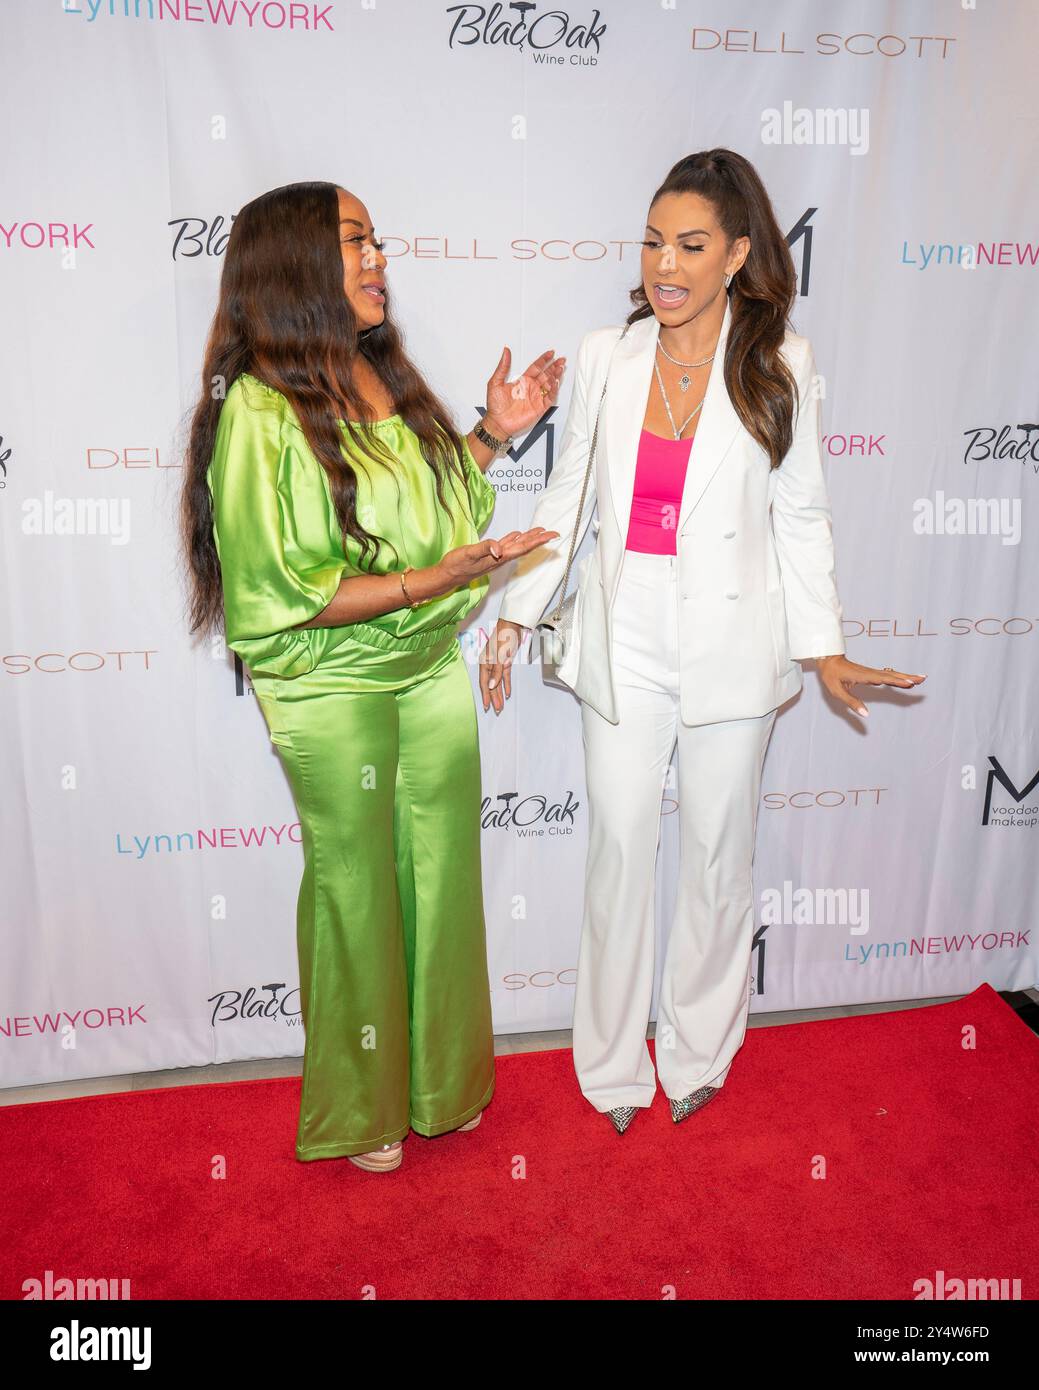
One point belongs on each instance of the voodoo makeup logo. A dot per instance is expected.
(240, 677)
(803, 232)
(756, 981)
(5, 454)
(1017, 813)
(511, 473)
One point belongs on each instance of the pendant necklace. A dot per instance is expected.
(686, 380)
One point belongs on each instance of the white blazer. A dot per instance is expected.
(755, 561)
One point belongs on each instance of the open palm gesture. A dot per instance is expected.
(515, 406)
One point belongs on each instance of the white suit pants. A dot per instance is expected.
(705, 986)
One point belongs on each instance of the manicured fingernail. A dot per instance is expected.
(491, 684)
(864, 712)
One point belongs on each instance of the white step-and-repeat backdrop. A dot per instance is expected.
(507, 153)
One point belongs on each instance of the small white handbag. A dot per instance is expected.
(556, 629)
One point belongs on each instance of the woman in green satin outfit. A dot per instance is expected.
(332, 513)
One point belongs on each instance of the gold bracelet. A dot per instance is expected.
(407, 570)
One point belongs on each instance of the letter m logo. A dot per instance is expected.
(542, 430)
(997, 773)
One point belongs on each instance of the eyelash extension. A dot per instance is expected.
(684, 248)
(379, 245)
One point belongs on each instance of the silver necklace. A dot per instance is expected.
(667, 405)
(686, 380)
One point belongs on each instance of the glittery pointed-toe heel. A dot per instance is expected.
(622, 1117)
(694, 1101)
(382, 1160)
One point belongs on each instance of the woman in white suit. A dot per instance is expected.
(711, 579)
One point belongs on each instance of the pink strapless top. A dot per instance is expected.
(659, 479)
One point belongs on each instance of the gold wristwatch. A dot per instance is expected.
(499, 446)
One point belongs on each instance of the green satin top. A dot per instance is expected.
(281, 547)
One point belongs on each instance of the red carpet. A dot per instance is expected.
(930, 1154)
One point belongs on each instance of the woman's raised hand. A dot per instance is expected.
(514, 406)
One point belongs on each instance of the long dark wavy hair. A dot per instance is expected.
(283, 316)
(760, 385)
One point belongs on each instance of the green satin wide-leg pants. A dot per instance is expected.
(390, 928)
